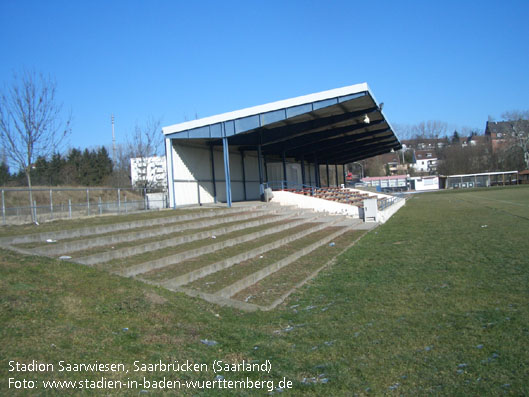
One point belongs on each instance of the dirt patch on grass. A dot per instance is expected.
(72, 305)
(154, 298)
(164, 339)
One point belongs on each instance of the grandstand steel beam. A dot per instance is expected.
(301, 130)
(341, 153)
(368, 143)
(336, 172)
(327, 169)
(226, 152)
(342, 142)
(323, 134)
(363, 154)
(213, 173)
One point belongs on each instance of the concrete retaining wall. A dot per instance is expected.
(315, 204)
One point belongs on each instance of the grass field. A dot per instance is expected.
(434, 302)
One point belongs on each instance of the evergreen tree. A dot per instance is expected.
(40, 171)
(4, 174)
(104, 165)
(56, 169)
(73, 162)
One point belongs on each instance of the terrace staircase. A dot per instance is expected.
(226, 256)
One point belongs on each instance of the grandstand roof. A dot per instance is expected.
(337, 126)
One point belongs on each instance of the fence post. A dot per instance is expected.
(35, 210)
(119, 200)
(100, 206)
(3, 208)
(87, 202)
(145, 202)
(51, 204)
(198, 193)
(125, 204)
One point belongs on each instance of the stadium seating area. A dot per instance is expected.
(339, 195)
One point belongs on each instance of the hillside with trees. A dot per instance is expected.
(465, 151)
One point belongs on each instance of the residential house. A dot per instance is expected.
(425, 161)
(501, 132)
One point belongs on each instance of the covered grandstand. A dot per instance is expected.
(302, 141)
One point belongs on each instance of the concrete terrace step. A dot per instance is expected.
(152, 246)
(94, 230)
(160, 230)
(245, 282)
(175, 259)
(207, 270)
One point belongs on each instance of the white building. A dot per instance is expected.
(424, 183)
(425, 161)
(149, 171)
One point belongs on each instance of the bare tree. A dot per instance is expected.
(519, 137)
(146, 142)
(514, 115)
(31, 123)
(403, 131)
(430, 129)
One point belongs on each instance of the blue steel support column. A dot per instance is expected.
(336, 172)
(260, 166)
(344, 176)
(225, 148)
(303, 170)
(213, 173)
(170, 171)
(243, 176)
(284, 171)
(327, 169)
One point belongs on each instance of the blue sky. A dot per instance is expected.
(454, 61)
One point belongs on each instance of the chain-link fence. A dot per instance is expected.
(64, 203)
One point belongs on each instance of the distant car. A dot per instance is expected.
(360, 184)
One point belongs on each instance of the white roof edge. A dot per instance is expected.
(269, 107)
(482, 174)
